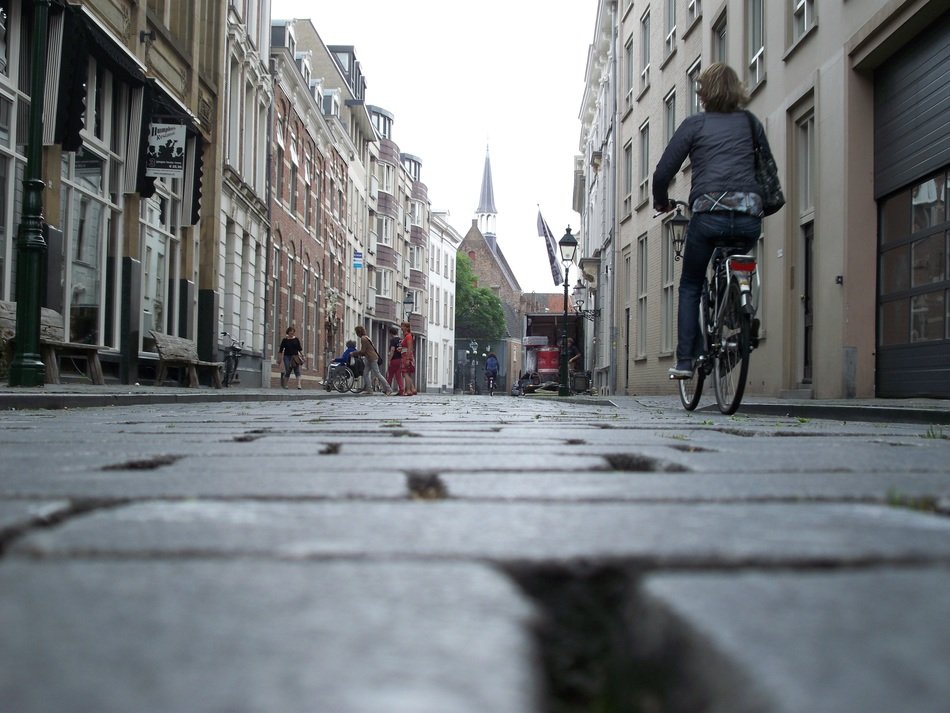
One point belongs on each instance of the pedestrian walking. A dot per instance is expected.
(371, 363)
(408, 359)
(394, 371)
(291, 357)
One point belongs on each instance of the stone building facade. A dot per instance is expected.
(854, 299)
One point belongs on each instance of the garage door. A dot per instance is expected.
(912, 185)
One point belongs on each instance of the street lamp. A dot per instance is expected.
(27, 366)
(568, 247)
(407, 303)
(578, 294)
(677, 225)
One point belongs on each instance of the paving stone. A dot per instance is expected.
(721, 534)
(251, 636)
(884, 637)
(21, 513)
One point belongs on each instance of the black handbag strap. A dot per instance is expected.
(755, 141)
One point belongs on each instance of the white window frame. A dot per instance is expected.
(694, 11)
(644, 186)
(669, 116)
(755, 23)
(643, 273)
(670, 42)
(644, 51)
(667, 281)
(628, 178)
(693, 105)
(802, 19)
(720, 46)
(385, 230)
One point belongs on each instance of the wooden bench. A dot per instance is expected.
(52, 344)
(177, 351)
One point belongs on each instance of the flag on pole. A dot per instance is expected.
(545, 232)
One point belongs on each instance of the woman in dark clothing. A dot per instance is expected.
(394, 372)
(290, 347)
(725, 197)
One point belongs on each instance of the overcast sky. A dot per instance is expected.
(459, 77)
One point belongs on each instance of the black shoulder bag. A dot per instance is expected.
(766, 174)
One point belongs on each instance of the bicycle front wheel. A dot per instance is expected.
(692, 389)
(731, 366)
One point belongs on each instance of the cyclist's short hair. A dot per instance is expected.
(721, 90)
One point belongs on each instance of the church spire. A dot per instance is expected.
(486, 202)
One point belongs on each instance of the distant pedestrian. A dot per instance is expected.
(573, 355)
(291, 353)
(371, 363)
(394, 372)
(407, 347)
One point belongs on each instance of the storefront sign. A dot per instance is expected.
(166, 151)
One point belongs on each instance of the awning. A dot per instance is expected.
(84, 38)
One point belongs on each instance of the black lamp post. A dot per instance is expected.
(568, 247)
(27, 366)
(678, 224)
(407, 303)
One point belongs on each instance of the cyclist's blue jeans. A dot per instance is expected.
(705, 233)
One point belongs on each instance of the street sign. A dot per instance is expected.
(357, 260)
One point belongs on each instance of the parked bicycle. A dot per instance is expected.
(730, 329)
(232, 356)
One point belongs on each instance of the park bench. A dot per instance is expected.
(181, 352)
(52, 344)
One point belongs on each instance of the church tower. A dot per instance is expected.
(485, 215)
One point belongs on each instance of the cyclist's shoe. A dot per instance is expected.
(682, 370)
(754, 333)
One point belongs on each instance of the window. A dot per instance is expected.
(803, 18)
(806, 162)
(669, 117)
(914, 282)
(694, 11)
(668, 316)
(387, 180)
(719, 38)
(755, 17)
(645, 52)
(642, 273)
(384, 283)
(308, 191)
(627, 179)
(629, 72)
(384, 230)
(692, 81)
(159, 216)
(644, 193)
(670, 27)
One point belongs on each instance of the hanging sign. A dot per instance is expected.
(166, 151)
(357, 260)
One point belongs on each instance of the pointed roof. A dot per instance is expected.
(486, 202)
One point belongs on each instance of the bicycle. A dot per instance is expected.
(729, 327)
(232, 356)
(490, 383)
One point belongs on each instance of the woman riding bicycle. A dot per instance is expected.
(725, 197)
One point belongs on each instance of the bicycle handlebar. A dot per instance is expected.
(674, 203)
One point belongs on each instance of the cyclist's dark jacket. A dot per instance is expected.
(705, 134)
(491, 366)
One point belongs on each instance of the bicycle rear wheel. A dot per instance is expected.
(692, 389)
(731, 366)
(229, 368)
